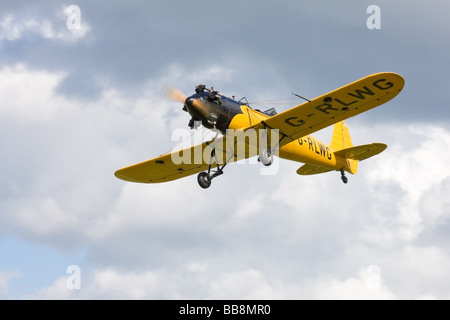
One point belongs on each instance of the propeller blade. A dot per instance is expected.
(175, 94)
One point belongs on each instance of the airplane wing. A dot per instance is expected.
(335, 106)
(186, 162)
(159, 169)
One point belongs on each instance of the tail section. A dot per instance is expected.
(362, 152)
(347, 156)
(341, 137)
(341, 144)
(341, 140)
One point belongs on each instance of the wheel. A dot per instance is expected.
(265, 155)
(265, 158)
(344, 179)
(204, 180)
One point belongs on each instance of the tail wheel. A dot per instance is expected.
(343, 177)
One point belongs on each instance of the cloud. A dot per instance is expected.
(15, 27)
(366, 285)
(26, 94)
(55, 138)
(412, 167)
(5, 278)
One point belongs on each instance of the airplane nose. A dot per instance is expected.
(193, 104)
(189, 102)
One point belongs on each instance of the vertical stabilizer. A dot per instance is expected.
(341, 137)
(341, 140)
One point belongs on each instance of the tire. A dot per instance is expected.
(204, 180)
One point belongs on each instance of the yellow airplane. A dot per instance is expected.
(247, 132)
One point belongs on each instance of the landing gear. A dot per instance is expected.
(265, 149)
(266, 158)
(204, 178)
(265, 154)
(343, 177)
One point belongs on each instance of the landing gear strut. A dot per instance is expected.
(265, 149)
(343, 177)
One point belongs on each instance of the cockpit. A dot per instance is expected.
(214, 96)
(270, 112)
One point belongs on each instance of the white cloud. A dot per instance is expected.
(28, 95)
(249, 207)
(435, 204)
(15, 27)
(366, 285)
(413, 166)
(248, 284)
(159, 284)
(112, 284)
(5, 278)
(64, 150)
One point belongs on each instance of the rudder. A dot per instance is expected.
(342, 140)
(341, 137)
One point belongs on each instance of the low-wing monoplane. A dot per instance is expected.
(244, 132)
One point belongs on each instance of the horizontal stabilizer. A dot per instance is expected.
(309, 169)
(361, 152)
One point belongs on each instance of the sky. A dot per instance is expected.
(82, 94)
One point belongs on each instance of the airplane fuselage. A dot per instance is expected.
(223, 113)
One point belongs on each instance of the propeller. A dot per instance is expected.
(175, 94)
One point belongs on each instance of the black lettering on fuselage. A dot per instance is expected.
(322, 150)
(345, 103)
(324, 107)
(332, 106)
(360, 93)
(317, 147)
(310, 143)
(388, 85)
(294, 121)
